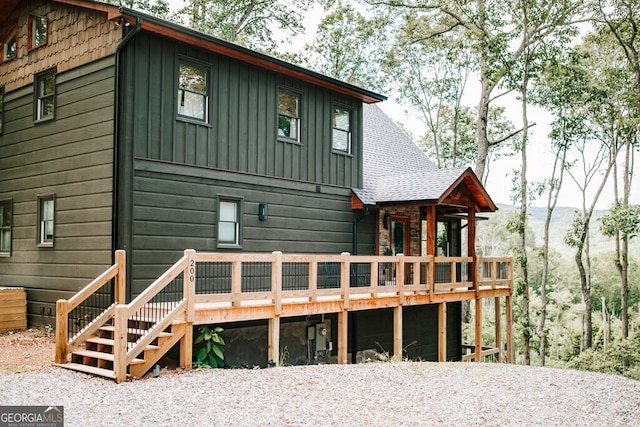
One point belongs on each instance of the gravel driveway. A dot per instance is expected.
(375, 394)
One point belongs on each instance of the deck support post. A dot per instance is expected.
(343, 334)
(498, 329)
(478, 331)
(274, 340)
(442, 332)
(509, 325)
(397, 332)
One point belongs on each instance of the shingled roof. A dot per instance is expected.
(396, 170)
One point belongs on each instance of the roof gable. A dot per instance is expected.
(397, 171)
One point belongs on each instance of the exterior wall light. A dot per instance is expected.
(262, 212)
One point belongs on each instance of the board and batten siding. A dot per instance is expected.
(70, 157)
(243, 111)
(175, 209)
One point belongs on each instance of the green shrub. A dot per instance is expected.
(620, 358)
(211, 348)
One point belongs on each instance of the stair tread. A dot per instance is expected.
(87, 369)
(135, 331)
(109, 341)
(101, 355)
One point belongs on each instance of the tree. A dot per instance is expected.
(159, 8)
(489, 31)
(247, 22)
(622, 18)
(350, 46)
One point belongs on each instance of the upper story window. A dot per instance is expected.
(46, 220)
(229, 214)
(193, 98)
(10, 44)
(288, 116)
(45, 91)
(38, 31)
(1, 108)
(341, 135)
(6, 209)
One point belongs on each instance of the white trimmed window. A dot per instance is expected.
(6, 211)
(341, 135)
(10, 44)
(46, 220)
(193, 98)
(45, 92)
(38, 31)
(288, 116)
(229, 214)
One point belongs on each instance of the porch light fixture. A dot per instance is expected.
(262, 212)
(385, 221)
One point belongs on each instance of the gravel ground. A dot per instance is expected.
(402, 394)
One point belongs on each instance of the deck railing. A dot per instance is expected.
(241, 278)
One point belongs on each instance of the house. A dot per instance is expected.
(121, 131)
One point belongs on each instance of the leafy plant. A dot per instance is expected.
(211, 351)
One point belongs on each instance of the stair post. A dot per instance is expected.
(120, 338)
(189, 293)
(62, 330)
(120, 292)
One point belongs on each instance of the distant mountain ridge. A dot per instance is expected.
(561, 222)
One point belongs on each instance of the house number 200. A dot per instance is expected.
(192, 271)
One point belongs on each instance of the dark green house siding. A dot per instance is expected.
(70, 157)
(173, 170)
(243, 109)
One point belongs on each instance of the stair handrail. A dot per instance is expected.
(63, 307)
(123, 355)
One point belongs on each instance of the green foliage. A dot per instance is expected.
(623, 219)
(620, 358)
(210, 353)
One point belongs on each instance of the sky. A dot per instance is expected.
(540, 159)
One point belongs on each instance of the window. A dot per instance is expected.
(341, 130)
(37, 31)
(45, 88)
(229, 222)
(1, 108)
(10, 44)
(5, 227)
(46, 220)
(193, 101)
(288, 116)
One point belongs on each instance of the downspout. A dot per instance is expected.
(116, 146)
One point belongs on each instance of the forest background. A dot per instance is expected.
(540, 97)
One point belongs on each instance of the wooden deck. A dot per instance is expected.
(217, 288)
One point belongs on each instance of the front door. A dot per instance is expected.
(400, 235)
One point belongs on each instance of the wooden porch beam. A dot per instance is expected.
(509, 324)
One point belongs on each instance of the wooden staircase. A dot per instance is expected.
(123, 341)
(96, 354)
